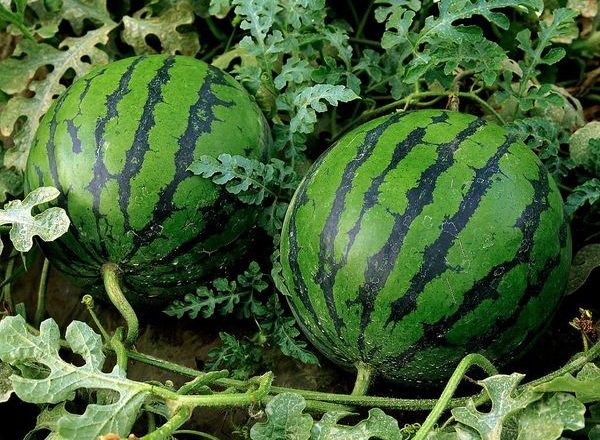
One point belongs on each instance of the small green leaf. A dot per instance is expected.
(586, 385)
(500, 388)
(378, 425)
(48, 225)
(547, 418)
(309, 101)
(587, 192)
(585, 146)
(285, 420)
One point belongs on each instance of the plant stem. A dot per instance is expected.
(40, 308)
(441, 405)
(418, 96)
(344, 399)
(196, 433)
(166, 431)
(363, 22)
(363, 379)
(570, 367)
(88, 301)
(110, 275)
(7, 289)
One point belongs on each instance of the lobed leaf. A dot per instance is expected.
(377, 425)
(115, 413)
(585, 386)
(165, 26)
(285, 420)
(16, 76)
(48, 225)
(547, 418)
(501, 389)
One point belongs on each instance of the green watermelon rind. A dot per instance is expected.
(118, 144)
(469, 249)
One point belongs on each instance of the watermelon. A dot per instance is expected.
(420, 237)
(118, 144)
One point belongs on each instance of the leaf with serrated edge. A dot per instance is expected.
(547, 418)
(18, 344)
(500, 388)
(309, 101)
(48, 225)
(285, 420)
(16, 75)
(378, 425)
(165, 28)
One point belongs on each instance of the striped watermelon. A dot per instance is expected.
(420, 237)
(118, 143)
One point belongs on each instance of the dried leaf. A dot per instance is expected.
(165, 27)
(15, 79)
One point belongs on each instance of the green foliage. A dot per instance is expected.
(588, 192)
(501, 390)
(286, 420)
(223, 296)
(48, 225)
(113, 412)
(550, 416)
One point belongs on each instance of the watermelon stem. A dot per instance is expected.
(363, 379)
(40, 308)
(110, 276)
(467, 362)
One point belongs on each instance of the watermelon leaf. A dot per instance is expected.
(587, 192)
(165, 26)
(586, 385)
(250, 180)
(117, 406)
(584, 262)
(501, 389)
(547, 418)
(285, 420)
(48, 225)
(377, 425)
(16, 78)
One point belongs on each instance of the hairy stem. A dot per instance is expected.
(40, 308)
(182, 414)
(441, 405)
(110, 275)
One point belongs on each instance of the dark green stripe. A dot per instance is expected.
(134, 157)
(486, 287)
(532, 292)
(381, 264)
(101, 174)
(327, 266)
(434, 255)
(201, 115)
